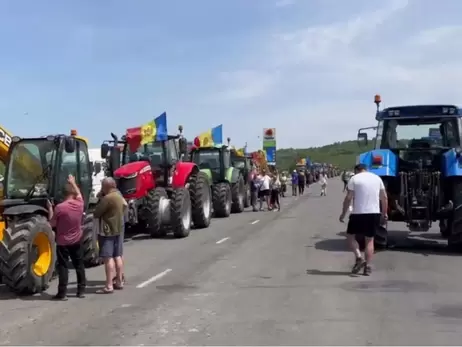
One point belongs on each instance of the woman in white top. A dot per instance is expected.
(275, 191)
(264, 193)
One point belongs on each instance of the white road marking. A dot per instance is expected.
(153, 279)
(222, 240)
(255, 221)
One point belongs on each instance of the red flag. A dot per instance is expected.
(134, 139)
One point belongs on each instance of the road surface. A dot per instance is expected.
(265, 278)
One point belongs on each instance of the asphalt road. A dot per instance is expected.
(264, 278)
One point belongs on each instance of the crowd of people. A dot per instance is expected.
(267, 186)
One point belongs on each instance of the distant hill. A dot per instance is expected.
(342, 154)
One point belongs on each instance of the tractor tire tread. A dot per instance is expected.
(221, 192)
(180, 196)
(15, 269)
(198, 183)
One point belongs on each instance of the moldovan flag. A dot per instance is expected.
(211, 137)
(155, 130)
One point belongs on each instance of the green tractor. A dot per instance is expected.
(228, 184)
(244, 165)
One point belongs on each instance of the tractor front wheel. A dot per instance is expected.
(28, 255)
(201, 199)
(180, 212)
(238, 196)
(151, 212)
(222, 199)
(90, 243)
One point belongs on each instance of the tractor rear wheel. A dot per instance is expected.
(28, 255)
(180, 212)
(90, 247)
(455, 220)
(151, 212)
(222, 199)
(201, 199)
(238, 195)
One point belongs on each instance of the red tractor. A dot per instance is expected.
(163, 193)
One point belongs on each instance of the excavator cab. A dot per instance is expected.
(28, 248)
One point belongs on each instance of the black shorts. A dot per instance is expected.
(364, 224)
(263, 193)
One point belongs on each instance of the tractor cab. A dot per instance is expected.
(138, 169)
(216, 160)
(241, 161)
(28, 247)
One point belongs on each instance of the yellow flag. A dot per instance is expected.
(206, 139)
(148, 132)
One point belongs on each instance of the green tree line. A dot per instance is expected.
(342, 154)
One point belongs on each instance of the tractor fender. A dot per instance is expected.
(388, 166)
(24, 209)
(232, 175)
(182, 172)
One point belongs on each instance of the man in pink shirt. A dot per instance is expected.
(67, 220)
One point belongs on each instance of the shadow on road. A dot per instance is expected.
(6, 294)
(421, 243)
(332, 245)
(318, 272)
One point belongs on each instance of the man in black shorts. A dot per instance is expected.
(369, 197)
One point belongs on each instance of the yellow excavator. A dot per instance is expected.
(5, 142)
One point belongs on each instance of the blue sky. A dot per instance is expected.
(310, 68)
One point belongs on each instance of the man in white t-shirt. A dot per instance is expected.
(323, 183)
(369, 198)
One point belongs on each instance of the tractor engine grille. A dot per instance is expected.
(126, 185)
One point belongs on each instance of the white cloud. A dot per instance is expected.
(328, 74)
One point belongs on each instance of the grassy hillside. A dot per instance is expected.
(342, 154)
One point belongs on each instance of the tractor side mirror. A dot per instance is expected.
(114, 158)
(104, 150)
(183, 144)
(69, 144)
(362, 139)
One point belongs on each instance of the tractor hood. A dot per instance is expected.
(130, 169)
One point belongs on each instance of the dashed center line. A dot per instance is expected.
(222, 240)
(153, 279)
(255, 221)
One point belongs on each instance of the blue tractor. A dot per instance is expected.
(418, 154)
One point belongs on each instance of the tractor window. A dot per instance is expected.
(85, 175)
(28, 167)
(226, 158)
(432, 132)
(151, 151)
(172, 146)
(207, 159)
(239, 164)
